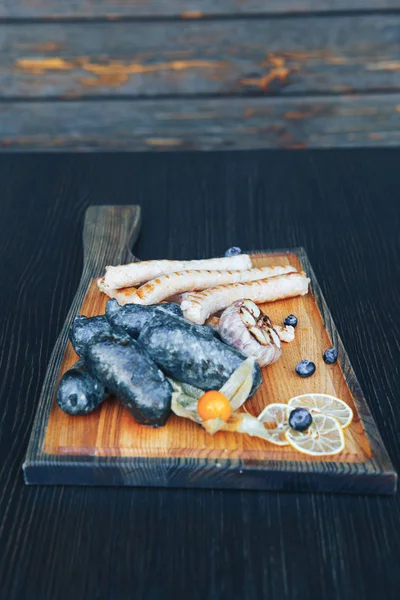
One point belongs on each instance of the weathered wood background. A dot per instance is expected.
(162, 74)
(181, 8)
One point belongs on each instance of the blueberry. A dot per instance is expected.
(305, 368)
(330, 356)
(300, 419)
(291, 320)
(233, 251)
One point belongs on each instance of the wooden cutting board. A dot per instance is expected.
(109, 448)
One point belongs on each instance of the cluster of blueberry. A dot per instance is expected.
(300, 419)
(306, 368)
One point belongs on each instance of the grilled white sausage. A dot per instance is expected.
(122, 296)
(198, 306)
(129, 275)
(159, 289)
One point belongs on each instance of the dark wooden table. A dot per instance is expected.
(81, 543)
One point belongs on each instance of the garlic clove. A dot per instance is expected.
(259, 335)
(247, 318)
(267, 336)
(275, 337)
(252, 308)
(286, 334)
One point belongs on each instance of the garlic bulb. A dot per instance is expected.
(245, 327)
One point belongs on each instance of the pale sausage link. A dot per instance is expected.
(135, 273)
(159, 289)
(197, 307)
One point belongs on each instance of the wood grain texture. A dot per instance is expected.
(103, 543)
(338, 54)
(202, 124)
(186, 9)
(112, 431)
(109, 448)
(187, 73)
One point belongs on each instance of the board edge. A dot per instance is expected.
(377, 469)
(169, 473)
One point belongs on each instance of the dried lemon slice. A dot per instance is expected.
(325, 405)
(324, 437)
(274, 416)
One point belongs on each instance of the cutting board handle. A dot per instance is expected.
(109, 234)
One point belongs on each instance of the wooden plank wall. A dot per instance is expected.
(203, 124)
(135, 75)
(50, 9)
